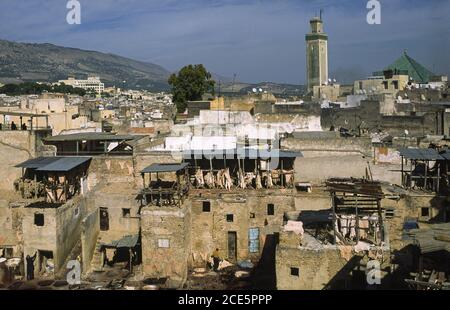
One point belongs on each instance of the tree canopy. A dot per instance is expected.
(190, 84)
(29, 88)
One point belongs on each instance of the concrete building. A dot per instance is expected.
(92, 83)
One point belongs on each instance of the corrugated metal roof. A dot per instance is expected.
(91, 136)
(445, 154)
(64, 164)
(154, 168)
(38, 162)
(421, 154)
(126, 242)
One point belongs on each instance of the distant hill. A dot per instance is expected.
(31, 62)
(22, 62)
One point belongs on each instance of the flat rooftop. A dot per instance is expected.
(91, 136)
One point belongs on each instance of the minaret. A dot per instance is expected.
(316, 54)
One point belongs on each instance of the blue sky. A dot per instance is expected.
(259, 40)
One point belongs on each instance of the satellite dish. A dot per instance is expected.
(260, 90)
(334, 81)
(406, 132)
(399, 98)
(254, 90)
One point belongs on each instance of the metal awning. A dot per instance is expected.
(65, 164)
(420, 154)
(445, 154)
(38, 162)
(129, 241)
(154, 168)
(54, 164)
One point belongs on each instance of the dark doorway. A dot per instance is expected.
(447, 215)
(232, 246)
(44, 257)
(104, 219)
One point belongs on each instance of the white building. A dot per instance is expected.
(92, 83)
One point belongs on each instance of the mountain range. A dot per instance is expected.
(33, 62)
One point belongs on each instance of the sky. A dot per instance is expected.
(258, 40)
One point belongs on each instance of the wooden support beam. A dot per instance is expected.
(380, 221)
(410, 174)
(439, 177)
(333, 204)
(403, 175)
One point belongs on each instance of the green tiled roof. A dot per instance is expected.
(415, 70)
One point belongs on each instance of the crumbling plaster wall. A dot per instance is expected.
(15, 147)
(39, 237)
(331, 267)
(316, 268)
(111, 169)
(11, 227)
(119, 226)
(90, 229)
(60, 233)
(249, 209)
(327, 158)
(318, 169)
(172, 224)
(143, 160)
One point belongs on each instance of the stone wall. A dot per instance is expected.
(68, 228)
(249, 209)
(11, 227)
(15, 147)
(115, 198)
(89, 234)
(111, 169)
(316, 268)
(166, 244)
(318, 169)
(60, 233)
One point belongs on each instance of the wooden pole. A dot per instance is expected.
(357, 222)
(403, 176)
(281, 172)
(438, 177)
(380, 220)
(131, 262)
(333, 204)
(35, 186)
(426, 176)
(410, 174)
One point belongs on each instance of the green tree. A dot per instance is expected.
(190, 84)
